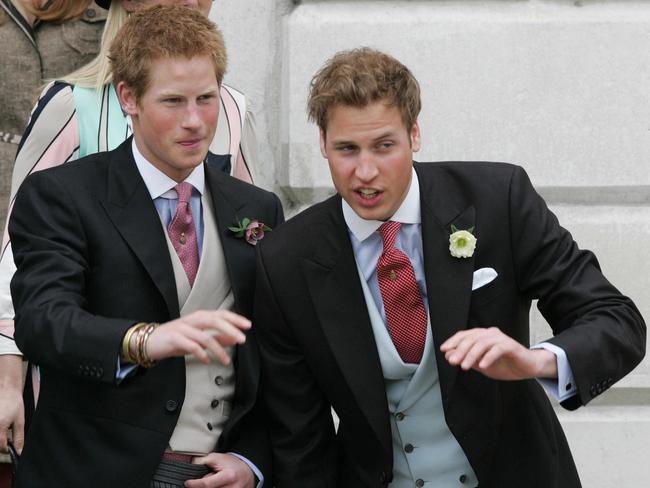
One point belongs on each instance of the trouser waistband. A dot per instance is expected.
(174, 469)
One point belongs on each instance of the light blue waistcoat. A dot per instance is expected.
(425, 452)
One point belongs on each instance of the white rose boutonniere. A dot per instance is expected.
(462, 242)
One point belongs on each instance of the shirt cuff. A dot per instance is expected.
(123, 370)
(564, 387)
(256, 471)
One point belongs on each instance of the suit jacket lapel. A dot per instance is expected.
(338, 299)
(130, 208)
(449, 279)
(230, 208)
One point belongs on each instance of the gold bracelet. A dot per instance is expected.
(126, 342)
(138, 344)
(143, 356)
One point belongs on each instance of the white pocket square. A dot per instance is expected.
(482, 277)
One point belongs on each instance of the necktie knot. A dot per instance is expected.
(389, 231)
(184, 191)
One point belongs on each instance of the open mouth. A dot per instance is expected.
(367, 194)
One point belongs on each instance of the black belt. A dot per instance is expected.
(172, 473)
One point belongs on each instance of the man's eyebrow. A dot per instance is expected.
(343, 142)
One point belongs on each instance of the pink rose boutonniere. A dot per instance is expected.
(251, 230)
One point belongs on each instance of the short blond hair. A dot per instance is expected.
(360, 77)
(163, 32)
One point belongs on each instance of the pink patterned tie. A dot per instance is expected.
(182, 232)
(405, 313)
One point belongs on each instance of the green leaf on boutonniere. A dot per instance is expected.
(456, 229)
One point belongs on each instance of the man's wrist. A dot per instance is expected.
(12, 372)
(546, 363)
(134, 344)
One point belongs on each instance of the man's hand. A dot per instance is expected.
(12, 411)
(498, 355)
(229, 471)
(202, 333)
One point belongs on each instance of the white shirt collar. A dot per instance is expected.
(158, 183)
(407, 213)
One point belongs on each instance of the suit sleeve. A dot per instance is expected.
(601, 330)
(299, 415)
(53, 326)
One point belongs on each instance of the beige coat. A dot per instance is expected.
(29, 58)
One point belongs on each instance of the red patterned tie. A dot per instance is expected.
(182, 232)
(405, 313)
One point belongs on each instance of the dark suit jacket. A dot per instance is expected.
(318, 349)
(92, 261)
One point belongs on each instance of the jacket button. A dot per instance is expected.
(90, 13)
(408, 448)
(171, 405)
(214, 403)
(399, 416)
(382, 478)
(419, 483)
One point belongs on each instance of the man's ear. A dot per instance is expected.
(415, 137)
(323, 141)
(127, 98)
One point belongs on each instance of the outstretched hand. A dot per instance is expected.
(202, 334)
(498, 355)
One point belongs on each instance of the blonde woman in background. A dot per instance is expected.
(40, 40)
(77, 116)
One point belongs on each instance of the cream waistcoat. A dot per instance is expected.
(209, 389)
